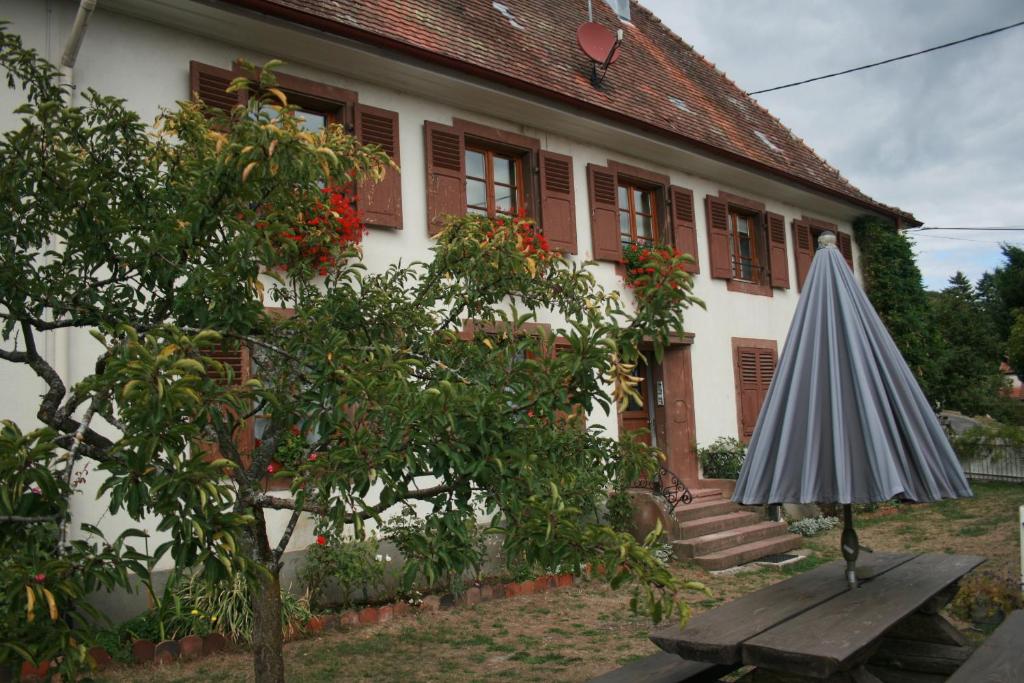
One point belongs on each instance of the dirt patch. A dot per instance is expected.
(573, 634)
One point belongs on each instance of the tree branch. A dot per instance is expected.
(287, 536)
(261, 499)
(14, 356)
(30, 520)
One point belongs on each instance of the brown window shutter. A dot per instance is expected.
(778, 262)
(446, 174)
(239, 362)
(718, 238)
(604, 213)
(684, 224)
(210, 83)
(557, 201)
(755, 368)
(380, 203)
(803, 245)
(749, 389)
(765, 371)
(845, 247)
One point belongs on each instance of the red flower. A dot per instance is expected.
(321, 540)
(40, 577)
(295, 430)
(257, 443)
(274, 467)
(312, 457)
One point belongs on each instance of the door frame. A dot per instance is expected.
(675, 427)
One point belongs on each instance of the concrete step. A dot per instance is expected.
(705, 507)
(730, 538)
(700, 494)
(710, 525)
(748, 552)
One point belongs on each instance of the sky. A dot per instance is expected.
(940, 135)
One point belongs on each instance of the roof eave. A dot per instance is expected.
(312, 21)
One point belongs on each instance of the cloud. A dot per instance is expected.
(939, 135)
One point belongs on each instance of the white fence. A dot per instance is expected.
(1004, 464)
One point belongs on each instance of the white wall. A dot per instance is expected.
(147, 64)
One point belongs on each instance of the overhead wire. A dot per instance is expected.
(890, 60)
(992, 228)
(958, 239)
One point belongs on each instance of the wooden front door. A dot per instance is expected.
(639, 416)
(679, 435)
(666, 416)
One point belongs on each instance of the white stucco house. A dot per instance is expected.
(492, 105)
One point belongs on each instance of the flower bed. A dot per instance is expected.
(193, 646)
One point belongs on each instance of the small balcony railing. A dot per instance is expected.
(668, 485)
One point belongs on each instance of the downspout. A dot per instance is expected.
(74, 44)
(62, 337)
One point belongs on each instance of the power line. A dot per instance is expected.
(958, 239)
(992, 228)
(889, 61)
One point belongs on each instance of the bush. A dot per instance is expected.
(723, 458)
(812, 526)
(202, 607)
(439, 548)
(619, 512)
(986, 597)
(995, 440)
(354, 565)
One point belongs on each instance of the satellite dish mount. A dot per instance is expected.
(601, 46)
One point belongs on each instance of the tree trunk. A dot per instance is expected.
(267, 641)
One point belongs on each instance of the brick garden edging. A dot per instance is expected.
(192, 647)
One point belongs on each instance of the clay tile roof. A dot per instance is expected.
(659, 83)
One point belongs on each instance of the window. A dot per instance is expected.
(806, 232)
(638, 214)
(319, 105)
(631, 205)
(621, 8)
(494, 182)
(310, 119)
(745, 245)
(484, 170)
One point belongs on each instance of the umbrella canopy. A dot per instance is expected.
(844, 420)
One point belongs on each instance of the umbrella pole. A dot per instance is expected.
(850, 546)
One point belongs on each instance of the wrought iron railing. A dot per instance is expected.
(668, 485)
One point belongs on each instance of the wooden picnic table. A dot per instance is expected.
(814, 627)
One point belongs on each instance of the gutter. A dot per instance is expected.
(305, 19)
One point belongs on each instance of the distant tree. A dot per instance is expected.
(1015, 344)
(1002, 290)
(893, 283)
(970, 361)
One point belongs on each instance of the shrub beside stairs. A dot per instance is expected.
(712, 531)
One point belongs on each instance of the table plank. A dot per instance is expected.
(999, 658)
(664, 668)
(840, 633)
(717, 635)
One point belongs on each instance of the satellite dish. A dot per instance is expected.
(598, 43)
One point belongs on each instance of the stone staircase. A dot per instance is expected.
(716, 533)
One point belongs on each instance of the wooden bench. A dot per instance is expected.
(665, 668)
(998, 659)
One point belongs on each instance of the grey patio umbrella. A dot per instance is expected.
(844, 420)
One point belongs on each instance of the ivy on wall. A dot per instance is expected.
(893, 283)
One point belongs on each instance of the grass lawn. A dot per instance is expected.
(573, 634)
